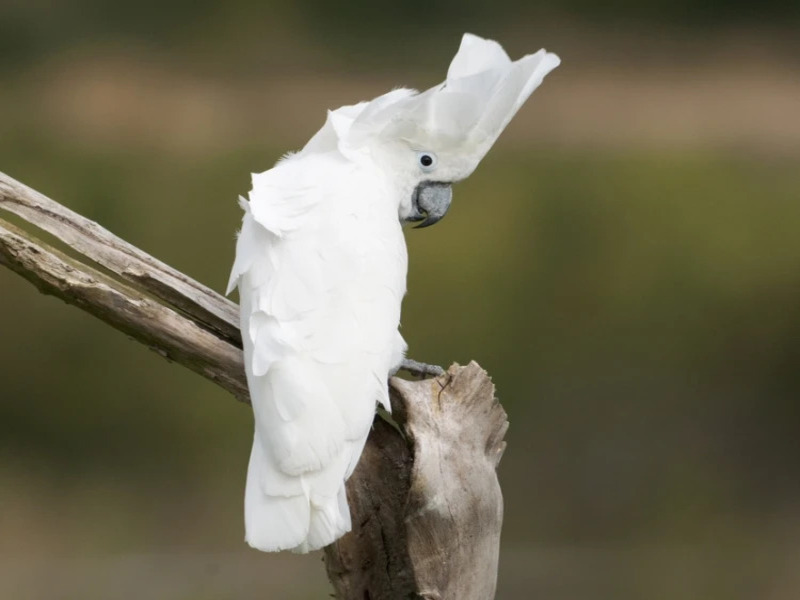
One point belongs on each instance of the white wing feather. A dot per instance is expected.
(321, 272)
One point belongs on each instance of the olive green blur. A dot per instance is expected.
(629, 277)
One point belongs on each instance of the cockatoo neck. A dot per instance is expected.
(383, 160)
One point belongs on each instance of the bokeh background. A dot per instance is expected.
(625, 263)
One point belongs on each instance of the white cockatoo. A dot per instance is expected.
(321, 269)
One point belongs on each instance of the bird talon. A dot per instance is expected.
(421, 369)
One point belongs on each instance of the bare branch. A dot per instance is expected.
(89, 239)
(159, 327)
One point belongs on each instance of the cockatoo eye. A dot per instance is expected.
(427, 161)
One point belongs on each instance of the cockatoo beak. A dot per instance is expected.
(430, 202)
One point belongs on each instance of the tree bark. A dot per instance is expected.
(425, 501)
(426, 504)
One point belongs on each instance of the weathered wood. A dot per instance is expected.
(206, 307)
(159, 327)
(427, 507)
(425, 500)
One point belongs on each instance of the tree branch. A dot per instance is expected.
(202, 304)
(161, 328)
(425, 502)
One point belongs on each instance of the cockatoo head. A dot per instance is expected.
(426, 141)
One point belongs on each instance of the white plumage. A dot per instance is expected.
(321, 268)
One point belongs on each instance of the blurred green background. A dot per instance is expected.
(625, 263)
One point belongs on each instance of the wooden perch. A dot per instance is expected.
(425, 501)
(427, 507)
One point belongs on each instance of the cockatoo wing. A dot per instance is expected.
(320, 268)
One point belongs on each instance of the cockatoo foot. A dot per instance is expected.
(421, 369)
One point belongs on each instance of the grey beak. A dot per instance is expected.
(430, 202)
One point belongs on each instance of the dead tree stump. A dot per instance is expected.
(426, 504)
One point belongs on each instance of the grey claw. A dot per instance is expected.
(421, 369)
